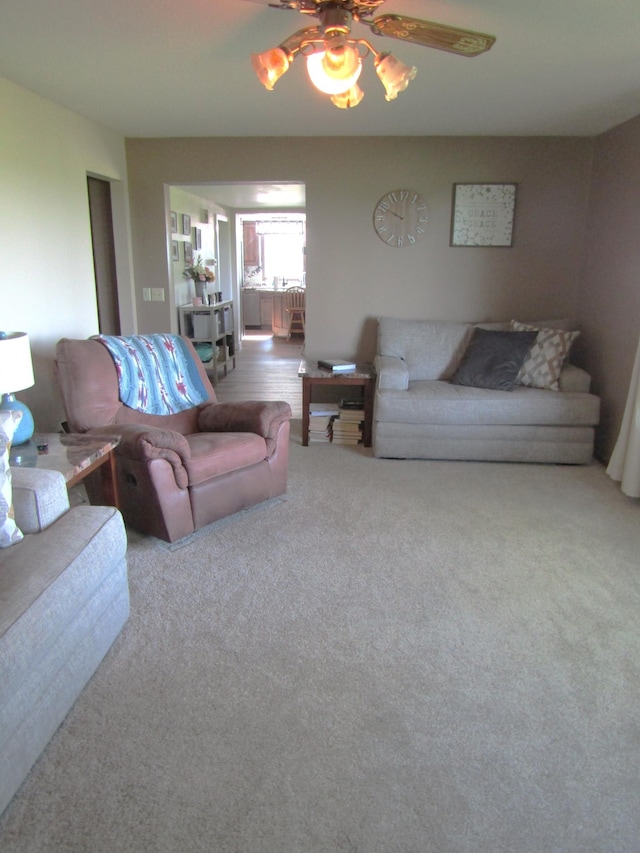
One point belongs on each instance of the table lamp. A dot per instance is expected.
(16, 374)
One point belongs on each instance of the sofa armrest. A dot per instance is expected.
(392, 373)
(40, 497)
(574, 378)
(262, 418)
(143, 443)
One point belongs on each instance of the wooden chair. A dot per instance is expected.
(295, 308)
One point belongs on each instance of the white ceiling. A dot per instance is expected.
(165, 68)
(246, 197)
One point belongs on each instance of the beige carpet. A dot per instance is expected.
(397, 657)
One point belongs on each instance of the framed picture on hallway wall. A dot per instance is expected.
(483, 214)
(188, 253)
(186, 224)
(175, 250)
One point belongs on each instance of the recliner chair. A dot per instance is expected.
(176, 473)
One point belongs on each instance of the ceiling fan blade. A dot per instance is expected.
(430, 34)
(304, 6)
(277, 4)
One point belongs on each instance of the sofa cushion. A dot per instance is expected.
(433, 402)
(431, 349)
(543, 364)
(216, 453)
(493, 359)
(78, 541)
(10, 533)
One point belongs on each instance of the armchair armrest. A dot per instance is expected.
(143, 443)
(262, 418)
(392, 373)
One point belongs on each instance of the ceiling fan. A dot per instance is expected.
(334, 59)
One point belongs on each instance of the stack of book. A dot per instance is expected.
(320, 417)
(347, 426)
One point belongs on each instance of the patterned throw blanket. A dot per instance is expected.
(156, 373)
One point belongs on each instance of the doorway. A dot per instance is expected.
(104, 255)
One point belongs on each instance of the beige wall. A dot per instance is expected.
(46, 263)
(182, 202)
(561, 263)
(352, 277)
(609, 296)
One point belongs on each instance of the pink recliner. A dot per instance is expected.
(179, 472)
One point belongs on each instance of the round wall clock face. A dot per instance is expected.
(400, 218)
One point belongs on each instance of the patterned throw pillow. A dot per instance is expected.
(543, 363)
(10, 533)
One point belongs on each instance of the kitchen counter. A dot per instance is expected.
(263, 308)
(266, 289)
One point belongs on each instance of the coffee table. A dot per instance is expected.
(312, 376)
(74, 455)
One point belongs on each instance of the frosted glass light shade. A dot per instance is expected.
(270, 66)
(16, 369)
(336, 69)
(348, 99)
(394, 75)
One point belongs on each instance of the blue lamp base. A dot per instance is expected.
(26, 425)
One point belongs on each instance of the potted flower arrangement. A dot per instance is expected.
(201, 275)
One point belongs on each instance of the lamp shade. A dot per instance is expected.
(336, 69)
(16, 369)
(348, 99)
(270, 66)
(394, 75)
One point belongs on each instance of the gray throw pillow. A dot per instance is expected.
(493, 359)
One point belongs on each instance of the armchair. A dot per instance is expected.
(177, 472)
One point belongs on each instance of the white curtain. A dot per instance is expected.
(624, 465)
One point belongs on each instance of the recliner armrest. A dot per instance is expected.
(143, 443)
(392, 373)
(262, 418)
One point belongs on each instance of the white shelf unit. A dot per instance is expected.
(214, 325)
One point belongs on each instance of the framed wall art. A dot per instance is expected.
(483, 214)
(175, 250)
(174, 222)
(188, 253)
(186, 224)
(197, 238)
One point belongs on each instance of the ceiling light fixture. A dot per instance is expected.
(334, 60)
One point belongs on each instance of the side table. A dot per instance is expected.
(74, 455)
(364, 375)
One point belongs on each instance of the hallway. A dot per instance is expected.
(266, 369)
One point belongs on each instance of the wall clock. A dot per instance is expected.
(400, 218)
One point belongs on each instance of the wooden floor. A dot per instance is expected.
(266, 369)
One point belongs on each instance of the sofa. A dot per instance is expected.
(180, 471)
(443, 393)
(64, 598)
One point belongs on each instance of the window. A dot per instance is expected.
(274, 249)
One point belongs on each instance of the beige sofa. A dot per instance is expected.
(421, 412)
(64, 598)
